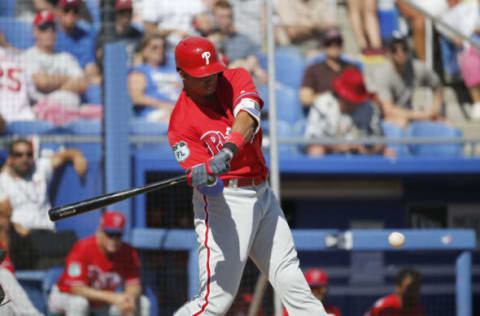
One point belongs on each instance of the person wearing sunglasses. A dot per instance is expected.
(95, 269)
(55, 75)
(24, 204)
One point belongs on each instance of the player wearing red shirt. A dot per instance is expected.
(406, 299)
(216, 137)
(96, 267)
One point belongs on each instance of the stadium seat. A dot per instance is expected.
(289, 66)
(85, 127)
(288, 108)
(387, 18)
(393, 131)
(284, 129)
(17, 33)
(94, 10)
(93, 95)
(434, 130)
(24, 128)
(6, 7)
(139, 126)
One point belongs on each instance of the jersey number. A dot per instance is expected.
(8, 75)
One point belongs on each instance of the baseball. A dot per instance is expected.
(396, 239)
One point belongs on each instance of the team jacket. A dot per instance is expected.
(197, 132)
(390, 305)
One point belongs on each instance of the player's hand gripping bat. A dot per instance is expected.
(101, 201)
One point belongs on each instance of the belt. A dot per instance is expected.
(242, 182)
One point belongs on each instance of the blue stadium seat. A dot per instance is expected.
(388, 16)
(434, 130)
(17, 33)
(289, 65)
(93, 95)
(284, 129)
(25, 128)
(139, 126)
(94, 10)
(288, 108)
(85, 127)
(6, 7)
(395, 132)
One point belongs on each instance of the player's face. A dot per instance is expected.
(20, 159)
(111, 242)
(45, 35)
(69, 17)
(205, 86)
(319, 292)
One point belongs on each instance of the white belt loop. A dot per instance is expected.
(233, 183)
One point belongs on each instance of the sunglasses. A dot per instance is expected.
(18, 154)
(113, 235)
(46, 26)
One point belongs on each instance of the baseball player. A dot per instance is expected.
(95, 268)
(317, 279)
(14, 300)
(216, 137)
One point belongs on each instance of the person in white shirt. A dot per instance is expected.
(24, 190)
(57, 76)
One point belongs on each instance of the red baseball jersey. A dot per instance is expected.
(197, 132)
(7, 263)
(391, 306)
(331, 310)
(87, 265)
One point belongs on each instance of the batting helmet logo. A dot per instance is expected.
(197, 57)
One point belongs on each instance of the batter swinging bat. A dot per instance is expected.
(97, 202)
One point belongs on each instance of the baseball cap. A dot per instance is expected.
(123, 5)
(332, 34)
(316, 277)
(113, 222)
(397, 38)
(68, 3)
(44, 17)
(351, 87)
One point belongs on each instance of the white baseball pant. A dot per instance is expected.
(60, 303)
(19, 303)
(243, 222)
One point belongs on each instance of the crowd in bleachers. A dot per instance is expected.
(51, 73)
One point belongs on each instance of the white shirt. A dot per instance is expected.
(176, 14)
(29, 197)
(37, 61)
(14, 87)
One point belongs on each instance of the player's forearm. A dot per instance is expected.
(77, 85)
(5, 208)
(46, 83)
(307, 96)
(244, 124)
(92, 294)
(133, 290)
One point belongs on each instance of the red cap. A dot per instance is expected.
(113, 222)
(351, 87)
(316, 277)
(44, 16)
(197, 56)
(68, 3)
(123, 5)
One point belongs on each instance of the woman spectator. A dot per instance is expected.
(154, 84)
(363, 16)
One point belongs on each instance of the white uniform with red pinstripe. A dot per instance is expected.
(246, 220)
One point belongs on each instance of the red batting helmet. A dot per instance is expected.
(197, 57)
(316, 277)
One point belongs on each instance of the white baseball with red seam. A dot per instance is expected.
(396, 239)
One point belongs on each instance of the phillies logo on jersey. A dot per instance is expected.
(103, 280)
(214, 140)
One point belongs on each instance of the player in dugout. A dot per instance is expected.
(216, 137)
(95, 269)
(406, 299)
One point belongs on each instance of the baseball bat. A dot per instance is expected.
(97, 202)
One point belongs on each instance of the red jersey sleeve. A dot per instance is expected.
(132, 266)
(76, 263)
(187, 149)
(243, 87)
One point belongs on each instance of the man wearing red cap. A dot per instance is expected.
(56, 75)
(317, 279)
(216, 137)
(346, 113)
(94, 271)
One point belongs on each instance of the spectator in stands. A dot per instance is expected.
(153, 85)
(5, 45)
(239, 49)
(173, 19)
(16, 301)
(95, 269)
(317, 279)
(302, 23)
(417, 23)
(24, 187)
(364, 20)
(26, 10)
(346, 113)
(405, 300)
(250, 18)
(396, 84)
(319, 76)
(73, 39)
(57, 76)
(14, 92)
